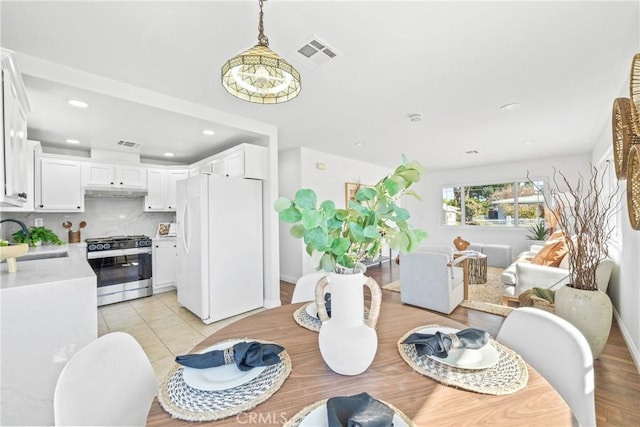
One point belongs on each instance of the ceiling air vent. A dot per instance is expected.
(315, 52)
(129, 144)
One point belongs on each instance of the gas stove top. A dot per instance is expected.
(117, 242)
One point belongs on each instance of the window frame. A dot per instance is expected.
(546, 194)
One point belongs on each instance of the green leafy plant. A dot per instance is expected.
(347, 236)
(538, 231)
(37, 234)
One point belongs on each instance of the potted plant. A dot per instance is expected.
(583, 213)
(37, 236)
(345, 237)
(538, 232)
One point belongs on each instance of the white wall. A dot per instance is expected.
(428, 213)
(624, 288)
(298, 170)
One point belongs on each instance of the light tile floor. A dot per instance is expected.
(163, 328)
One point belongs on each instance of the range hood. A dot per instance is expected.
(98, 191)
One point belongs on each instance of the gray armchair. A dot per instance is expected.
(430, 278)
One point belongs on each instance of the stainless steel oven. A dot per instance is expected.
(123, 267)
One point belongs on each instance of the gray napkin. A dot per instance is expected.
(439, 344)
(246, 355)
(360, 410)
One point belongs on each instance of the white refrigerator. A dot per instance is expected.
(219, 239)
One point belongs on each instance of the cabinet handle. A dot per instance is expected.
(149, 207)
(78, 207)
(112, 183)
(121, 184)
(42, 206)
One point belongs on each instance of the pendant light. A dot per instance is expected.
(260, 75)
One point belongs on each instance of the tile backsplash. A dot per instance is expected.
(105, 216)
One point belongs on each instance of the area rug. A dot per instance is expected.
(485, 297)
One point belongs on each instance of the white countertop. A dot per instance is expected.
(50, 270)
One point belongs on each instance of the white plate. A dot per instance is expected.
(220, 377)
(318, 418)
(312, 310)
(466, 358)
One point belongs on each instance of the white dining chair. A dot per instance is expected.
(559, 352)
(109, 382)
(305, 289)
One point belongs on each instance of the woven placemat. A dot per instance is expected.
(507, 376)
(312, 323)
(187, 403)
(302, 414)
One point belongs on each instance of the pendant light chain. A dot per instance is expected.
(262, 39)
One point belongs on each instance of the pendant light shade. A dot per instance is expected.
(260, 75)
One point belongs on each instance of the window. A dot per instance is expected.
(506, 204)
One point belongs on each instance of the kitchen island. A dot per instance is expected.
(47, 313)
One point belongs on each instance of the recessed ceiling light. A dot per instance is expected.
(168, 154)
(359, 143)
(72, 141)
(208, 132)
(77, 103)
(509, 107)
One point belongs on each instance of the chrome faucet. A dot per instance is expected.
(25, 231)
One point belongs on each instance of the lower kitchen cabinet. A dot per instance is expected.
(165, 258)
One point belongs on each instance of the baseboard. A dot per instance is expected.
(633, 350)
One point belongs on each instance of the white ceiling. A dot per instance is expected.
(455, 63)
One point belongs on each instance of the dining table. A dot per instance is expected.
(424, 400)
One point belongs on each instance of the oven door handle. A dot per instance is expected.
(118, 252)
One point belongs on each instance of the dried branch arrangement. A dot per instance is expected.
(583, 212)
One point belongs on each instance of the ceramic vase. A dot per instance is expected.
(589, 311)
(347, 342)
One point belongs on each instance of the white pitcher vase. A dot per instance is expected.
(347, 342)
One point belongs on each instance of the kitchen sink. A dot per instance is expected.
(29, 256)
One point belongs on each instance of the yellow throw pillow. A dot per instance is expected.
(551, 253)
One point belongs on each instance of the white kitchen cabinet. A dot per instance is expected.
(241, 161)
(165, 258)
(161, 189)
(110, 175)
(33, 147)
(14, 156)
(58, 185)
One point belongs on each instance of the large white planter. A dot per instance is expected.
(589, 311)
(347, 343)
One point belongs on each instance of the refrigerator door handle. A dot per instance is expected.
(184, 227)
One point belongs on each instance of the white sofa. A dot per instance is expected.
(427, 280)
(522, 275)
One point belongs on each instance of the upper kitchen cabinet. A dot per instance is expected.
(15, 155)
(34, 151)
(241, 161)
(110, 175)
(161, 188)
(58, 185)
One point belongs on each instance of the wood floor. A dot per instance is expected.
(616, 376)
